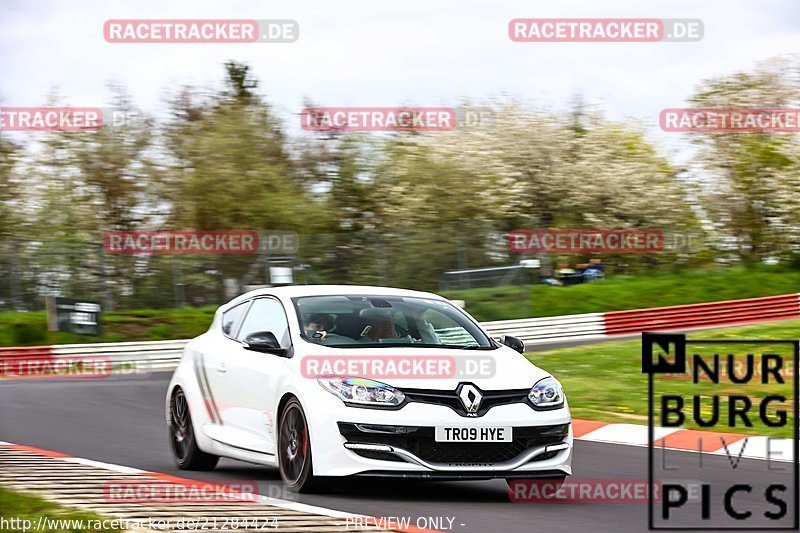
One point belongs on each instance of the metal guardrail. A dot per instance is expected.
(139, 356)
(164, 355)
(155, 355)
(550, 329)
(703, 314)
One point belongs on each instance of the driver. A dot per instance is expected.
(381, 328)
(318, 325)
(379, 325)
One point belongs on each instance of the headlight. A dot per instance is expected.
(363, 391)
(547, 393)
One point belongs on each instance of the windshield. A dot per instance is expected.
(364, 321)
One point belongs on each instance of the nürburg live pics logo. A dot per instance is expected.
(723, 434)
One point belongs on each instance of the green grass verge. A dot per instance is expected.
(19, 509)
(30, 329)
(629, 292)
(605, 381)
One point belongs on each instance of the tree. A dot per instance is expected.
(229, 149)
(227, 168)
(530, 169)
(752, 179)
(8, 186)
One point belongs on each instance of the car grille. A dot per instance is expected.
(420, 441)
(451, 399)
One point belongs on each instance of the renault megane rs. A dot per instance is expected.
(330, 381)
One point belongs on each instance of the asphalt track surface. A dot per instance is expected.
(120, 420)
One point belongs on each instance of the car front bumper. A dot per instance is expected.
(338, 450)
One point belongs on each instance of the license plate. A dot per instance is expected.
(473, 434)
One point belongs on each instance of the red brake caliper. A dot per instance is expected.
(304, 443)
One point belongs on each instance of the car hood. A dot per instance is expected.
(499, 369)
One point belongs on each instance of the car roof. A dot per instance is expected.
(292, 291)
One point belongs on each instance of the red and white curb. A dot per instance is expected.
(731, 444)
(82, 483)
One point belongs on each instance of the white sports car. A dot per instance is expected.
(330, 381)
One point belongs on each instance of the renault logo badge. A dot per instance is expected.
(470, 397)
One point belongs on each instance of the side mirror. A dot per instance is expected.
(265, 342)
(513, 343)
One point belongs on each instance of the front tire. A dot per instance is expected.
(294, 452)
(182, 440)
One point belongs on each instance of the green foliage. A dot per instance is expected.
(9, 190)
(27, 334)
(397, 209)
(755, 189)
(30, 329)
(485, 304)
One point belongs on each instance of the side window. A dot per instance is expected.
(266, 314)
(232, 318)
